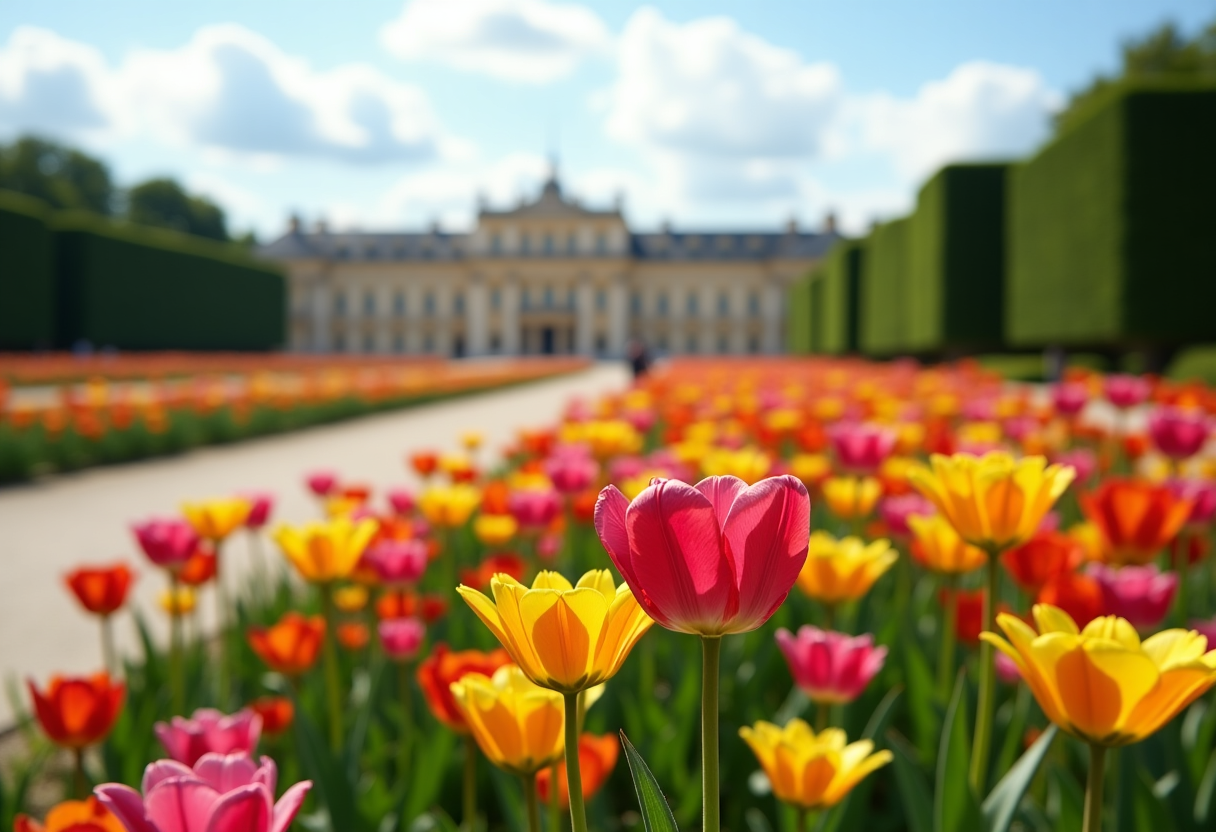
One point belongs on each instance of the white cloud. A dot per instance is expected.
(227, 89)
(531, 41)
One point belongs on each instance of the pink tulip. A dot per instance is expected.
(571, 472)
(1069, 398)
(1141, 594)
(626, 468)
(1007, 669)
(209, 731)
(398, 561)
(1178, 433)
(321, 483)
(1207, 629)
(401, 637)
(830, 668)
(896, 510)
(1124, 391)
(1020, 427)
(166, 542)
(401, 500)
(979, 410)
(1082, 460)
(715, 558)
(549, 546)
(1202, 495)
(642, 420)
(260, 506)
(534, 508)
(218, 794)
(861, 447)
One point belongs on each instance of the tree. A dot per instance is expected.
(164, 203)
(1162, 53)
(61, 176)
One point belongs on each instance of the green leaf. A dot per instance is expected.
(855, 806)
(656, 814)
(922, 696)
(955, 808)
(1205, 791)
(1001, 805)
(913, 787)
(326, 771)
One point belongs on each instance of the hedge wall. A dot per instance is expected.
(27, 276)
(1110, 228)
(956, 260)
(799, 327)
(839, 308)
(885, 319)
(140, 288)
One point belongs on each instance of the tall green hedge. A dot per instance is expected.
(27, 276)
(885, 318)
(799, 327)
(1112, 226)
(956, 260)
(141, 288)
(838, 306)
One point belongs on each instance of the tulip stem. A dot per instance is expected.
(407, 721)
(803, 815)
(821, 716)
(221, 628)
(1093, 789)
(176, 686)
(983, 714)
(711, 648)
(333, 692)
(81, 780)
(945, 660)
(108, 655)
(529, 786)
(468, 819)
(574, 775)
(555, 816)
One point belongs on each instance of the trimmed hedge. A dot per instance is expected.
(885, 318)
(1110, 229)
(27, 275)
(141, 288)
(956, 266)
(799, 330)
(838, 306)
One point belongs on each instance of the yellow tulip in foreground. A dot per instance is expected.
(843, 570)
(216, 519)
(324, 552)
(517, 724)
(1103, 684)
(808, 770)
(565, 638)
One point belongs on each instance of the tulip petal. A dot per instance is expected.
(564, 627)
(127, 805)
(289, 804)
(225, 772)
(767, 531)
(162, 770)
(1175, 690)
(1099, 685)
(610, 509)
(247, 809)
(180, 804)
(721, 493)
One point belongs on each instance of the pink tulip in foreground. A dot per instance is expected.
(1141, 594)
(1178, 433)
(715, 558)
(401, 637)
(830, 668)
(860, 447)
(209, 731)
(218, 794)
(166, 542)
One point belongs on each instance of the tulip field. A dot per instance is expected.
(774, 595)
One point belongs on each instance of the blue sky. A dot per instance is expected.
(389, 114)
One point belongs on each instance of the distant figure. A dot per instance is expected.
(639, 358)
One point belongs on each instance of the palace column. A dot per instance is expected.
(322, 304)
(510, 316)
(770, 308)
(584, 317)
(477, 316)
(618, 316)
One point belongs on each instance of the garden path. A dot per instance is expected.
(48, 527)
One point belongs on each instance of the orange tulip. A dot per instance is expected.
(353, 635)
(277, 713)
(1137, 519)
(101, 590)
(425, 462)
(78, 711)
(406, 604)
(200, 568)
(596, 759)
(1042, 558)
(443, 667)
(72, 816)
(289, 647)
(1078, 595)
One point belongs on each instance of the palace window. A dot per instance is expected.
(340, 304)
(339, 343)
(601, 244)
(753, 344)
(399, 304)
(369, 304)
(723, 345)
(662, 343)
(548, 244)
(398, 343)
(527, 298)
(723, 304)
(753, 304)
(428, 344)
(495, 298)
(525, 243)
(548, 297)
(570, 298)
(601, 345)
(662, 305)
(692, 304)
(635, 303)
(495, 343)
(458, 303)
(369, 343)
(371, 254)
(496, 244)
(428, 303)
(571, 243)
(601, 299)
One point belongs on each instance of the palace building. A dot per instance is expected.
(549, 276)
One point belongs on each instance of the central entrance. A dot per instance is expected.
(548, 338)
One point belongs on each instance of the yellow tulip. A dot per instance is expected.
(810, 468)
(495, 529)
(350, 598)
(938, 548)
(324, 552)
(565, 638)
(449, 506)
(517, 724)
(995, 501)
(851, 498)
(1102, 684)
(472, 439)
(176, 602)
(809, 770)
(748, 464)
(845, 569)
(216, 519)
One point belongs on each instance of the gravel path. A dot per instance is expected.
(47, 528)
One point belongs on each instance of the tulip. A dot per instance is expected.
(968, 606)
(424, 463)
(748, 464)
(277, 713)
(534, 509)
(517, 724)
(325, 552)
(597, 758)
(1177, 433)
(178, 602)
(443, 667)
(895, 512)
(1202, 496)
(861, 447)
(1207, 629)
(215, 519)
(571, 471)
(401, 638)
(1069, 398)
(200, 569)
(852, 499)
(1124, 391)
(321, 483)
(218, 794)
(209, 731)
(506, 564)
(401, 500)
(937, 547)
(290, 646)
(404, 604)
(1102, 684)
(350, 599)
(398, 562)
(449, 507)
(102, 590)
(839, 570)
(812, 469)
(1081, 460)
(72, 816)
(167, 543)
(76, 712)
(1077, 594)
(1006, 670)
(807, 770)
(830, 668)
(1136, 519)
(1043, 557)
(495, 529)
(1140, 594)
(260, 506)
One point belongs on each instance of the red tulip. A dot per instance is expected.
(200, 568)
(597, 758)
(78, 711)
(712, 559)
(102, 590)
(277, 713)
(860, 447)
(504, 562)
(291, 646)
(1041, 558)
(1078, 595)
(443, 667)
(1137, 519)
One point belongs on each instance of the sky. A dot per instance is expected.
(709, 115)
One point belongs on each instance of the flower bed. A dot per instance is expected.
(791, 594)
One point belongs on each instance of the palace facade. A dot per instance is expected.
(549, 276)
